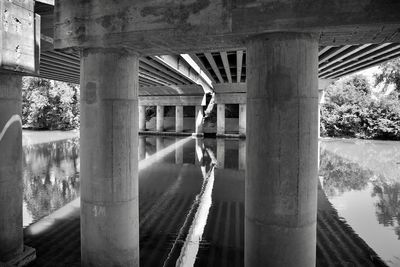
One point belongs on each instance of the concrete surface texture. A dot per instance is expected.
(282, 142)
(109, 169)
(11, 240)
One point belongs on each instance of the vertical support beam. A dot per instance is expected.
(11, 187)
(109, 158)
(179, 119)
(242, 119)
(142, 118)
(282, 150)
(220, 118)
(199, 119)
(160, 119)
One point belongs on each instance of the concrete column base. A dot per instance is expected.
(27, 256)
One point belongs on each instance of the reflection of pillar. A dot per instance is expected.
(221, 153)
(159, 143)
(178, 119)
(142, 148)
(242, 155)
(11, 240)
(178, 152)
(109, 158)
(199, 119)
(242, 119)
(199, 151)
(282, 142)
(220, 118)
(142, 118)
(160, 119)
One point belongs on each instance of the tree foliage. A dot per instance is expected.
(389, 74)
(49, 105)
(350, 110)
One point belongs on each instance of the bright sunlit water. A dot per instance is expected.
(192, 194)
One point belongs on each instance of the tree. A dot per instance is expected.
(389, 75)
(49, 104)
(351, 111)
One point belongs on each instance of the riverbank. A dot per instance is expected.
(31, 137)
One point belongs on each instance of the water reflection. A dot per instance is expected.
(362, 180)
(186, 205)
(50, 177)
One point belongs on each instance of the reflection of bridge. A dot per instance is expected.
(272, 46)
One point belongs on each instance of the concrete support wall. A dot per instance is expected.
(160, 119)
(142, 118)
(199, 119)
(11, 188)
(242, 119)
(178, 119)
(282, 154)
(220, 118)
(109, 158)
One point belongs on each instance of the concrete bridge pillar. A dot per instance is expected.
(282, 150)
(11, 187)
(178, 119)
(142, 118)
(109, 158)
(160, 119)
(199, 119)
(220, 118)
(242, 119)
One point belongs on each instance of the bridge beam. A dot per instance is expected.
(189, 26)
(282, 142)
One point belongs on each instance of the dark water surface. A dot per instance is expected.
(192, 194)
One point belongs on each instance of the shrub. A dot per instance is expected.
(49, 105)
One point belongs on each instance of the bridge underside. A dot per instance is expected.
(267, 56)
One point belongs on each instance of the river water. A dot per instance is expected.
(192, 192)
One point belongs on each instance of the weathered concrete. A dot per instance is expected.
(199, 119)
(20, 37)
(220, 118)
(242, 119)
(178, 119)
(109, 158)
(184, 26)
(11, 187)
(160, 118)
(142, 118)
(282, 150)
